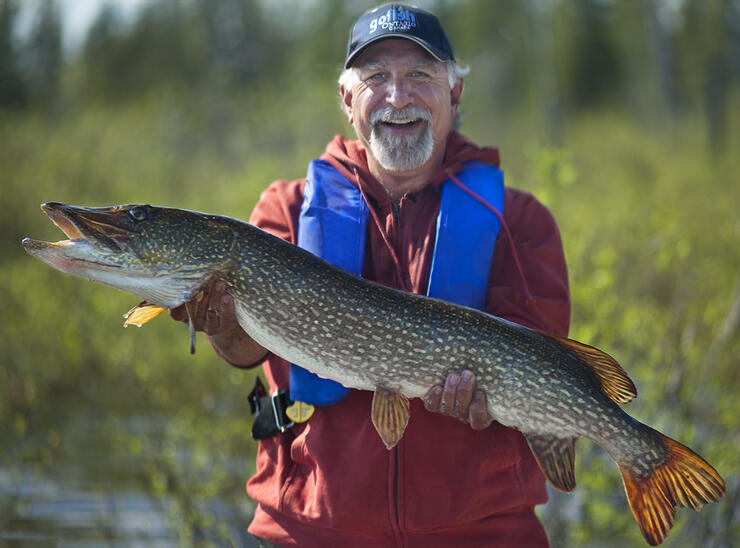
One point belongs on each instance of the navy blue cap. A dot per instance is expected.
(398, 21)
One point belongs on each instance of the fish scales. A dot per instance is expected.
(370, 337)
(433, 348)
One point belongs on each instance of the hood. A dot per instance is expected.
(348, 155)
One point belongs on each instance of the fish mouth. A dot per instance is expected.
(85, 227)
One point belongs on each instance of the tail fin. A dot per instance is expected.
(682, 479)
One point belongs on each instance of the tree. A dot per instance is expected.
(13, 91)
(43, 54)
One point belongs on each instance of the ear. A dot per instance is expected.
(456, 95)
(346, 102)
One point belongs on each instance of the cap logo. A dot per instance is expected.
(394, 20)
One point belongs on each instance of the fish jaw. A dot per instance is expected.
(84, 259)
(78, 257)
(88, 253)
(87, 248)
(98, 250)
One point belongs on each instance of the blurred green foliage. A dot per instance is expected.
(627, 128)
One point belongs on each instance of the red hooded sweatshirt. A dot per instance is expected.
(331, 481)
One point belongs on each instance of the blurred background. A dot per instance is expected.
(623, 116)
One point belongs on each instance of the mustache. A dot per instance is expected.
(405, 114)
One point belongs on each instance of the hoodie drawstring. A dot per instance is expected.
(405, 285)
(528, 297)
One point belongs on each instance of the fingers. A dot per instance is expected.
(464, 395)
(478, 416)
(433, 398)
(211, 313)
(458, 398)
(199, 310)
(212, 324)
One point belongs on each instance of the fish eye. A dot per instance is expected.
(137, 213)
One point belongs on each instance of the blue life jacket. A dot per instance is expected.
(333, 225)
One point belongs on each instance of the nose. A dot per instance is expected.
(399, 93)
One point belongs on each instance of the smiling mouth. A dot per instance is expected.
(402, 124)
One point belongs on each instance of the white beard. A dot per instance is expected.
(396, 152)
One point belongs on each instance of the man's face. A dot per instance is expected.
(401, 105)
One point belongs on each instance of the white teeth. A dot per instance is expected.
(404, 116)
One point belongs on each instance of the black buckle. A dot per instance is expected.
(256, 395)
(270, 410)
(280, 402)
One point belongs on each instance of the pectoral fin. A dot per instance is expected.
(390, 415)
(556, 457)
(142, 313)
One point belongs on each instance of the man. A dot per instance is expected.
(330, 481)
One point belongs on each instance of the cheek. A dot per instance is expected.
(362, 107)
(439, 101)
(444, 115)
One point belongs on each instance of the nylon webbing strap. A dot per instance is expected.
(271, 417)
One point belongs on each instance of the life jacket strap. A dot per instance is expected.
(333, 225)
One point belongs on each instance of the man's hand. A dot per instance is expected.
(214, 314)
(458, 398)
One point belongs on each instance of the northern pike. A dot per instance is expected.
(396, 344)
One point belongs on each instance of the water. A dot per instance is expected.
(52, 510)
(103, 480)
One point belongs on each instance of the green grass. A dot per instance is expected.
(651, 232)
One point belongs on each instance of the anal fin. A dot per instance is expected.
(556, 457)
(390, 415)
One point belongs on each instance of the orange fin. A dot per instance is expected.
(390, 414)
(682, 479)
(556, 457)
(613, 379)
(142, 313)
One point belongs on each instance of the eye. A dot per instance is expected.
(377, 77)
(137, 213)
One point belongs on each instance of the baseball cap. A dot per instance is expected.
(398, 21)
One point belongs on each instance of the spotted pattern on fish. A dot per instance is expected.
(370, 337)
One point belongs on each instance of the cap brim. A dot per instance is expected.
(438, 55)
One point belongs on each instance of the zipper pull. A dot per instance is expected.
(396, 210)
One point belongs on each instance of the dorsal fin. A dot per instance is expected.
(613, 379)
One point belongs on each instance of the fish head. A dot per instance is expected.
(163, 255)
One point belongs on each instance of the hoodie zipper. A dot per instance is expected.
(404, 279)
(396, 497)
(395, 461)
